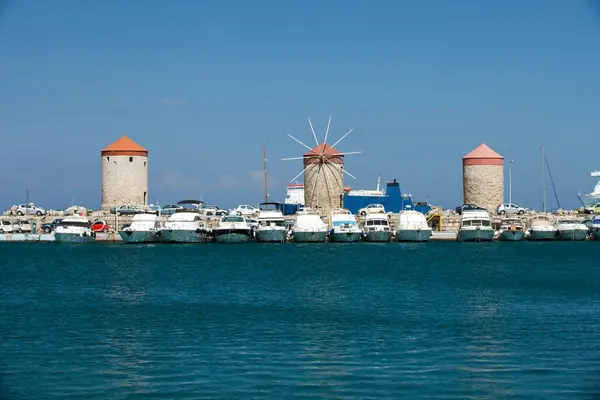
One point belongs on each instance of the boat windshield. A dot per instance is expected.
(476, 222)
(272, 223)
(344, 222)
(377, 222)
(81, 224)
(233, 218)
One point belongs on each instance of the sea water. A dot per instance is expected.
(286, 321)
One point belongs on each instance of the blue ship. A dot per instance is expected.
(392, 199)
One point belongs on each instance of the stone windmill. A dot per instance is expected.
(323, 172)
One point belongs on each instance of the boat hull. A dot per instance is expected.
(310, 236)
(475, 235)
(345, 237)
(73, 238)
(512, 236)
(232, 236)
(271, 235)
(139, 236)
(572, 235)
(596, 233)
(542, 235)
(378, 236)
(183, 236)
(413, 235)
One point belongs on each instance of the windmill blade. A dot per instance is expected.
(299, 142)
(343, 137)
(347, 153)
(294, 178)
(327, 131)
(348, 173)
(299, 158)
(313, 131)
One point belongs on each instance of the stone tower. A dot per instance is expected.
(124, 174)
(323, 178)
(483, 178)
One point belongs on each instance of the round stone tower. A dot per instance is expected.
(323, 178)
(483, 178)
(124, 174)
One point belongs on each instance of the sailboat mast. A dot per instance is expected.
(543, 181)
(265, 171)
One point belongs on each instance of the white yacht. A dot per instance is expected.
(377, 228)
(475, 226)
(541, 228)
(74, 229)
(271, 224)
(144, 228)
(511, 230)
(412, 227)
(343, 226)
(569, 228)
(232, 229)
(184, 226)
(309, 226)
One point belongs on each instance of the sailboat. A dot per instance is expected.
(541, 227)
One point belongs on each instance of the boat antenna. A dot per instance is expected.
(551, 180)
(543, 181)
(265, 169)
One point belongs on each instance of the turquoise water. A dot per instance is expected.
(351, 321)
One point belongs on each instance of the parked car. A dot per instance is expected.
(48, 228)
(127, 209)
(245, 210)
(23, 226)
(372, 209)
(467, 207)
(100, 226)
(510, 208)
(6, 226)
(593, 209)
(170, 209)
(30, 209)
(213, 211)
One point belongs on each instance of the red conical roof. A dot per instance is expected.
(125, 147)
(323, 148)
(483, 155)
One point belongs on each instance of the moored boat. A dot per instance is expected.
(541, 228)
(74, 229)
(475, 226)
(271, 224)
(595, 227)
(571, 229)
(184, 226)
(144, 228)
(232, 229)
(343, 226)
(511, 230)
(412, 227)
(377, 228)
(309, 227)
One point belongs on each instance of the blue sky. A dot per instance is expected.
(202, 83)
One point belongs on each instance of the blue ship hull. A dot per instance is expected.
(392, 200)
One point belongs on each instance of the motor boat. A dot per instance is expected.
(232, 229)
(271, 224)
(569, 228)
(343, 226)
(377, 228)
(144, 228)
(475, 226)
(412, 227)
(595, 227)
(511, 230)
(74, 229)
(309, 226)
(184, 226)
(541, 228)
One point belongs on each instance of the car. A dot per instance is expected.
(21, 226)
(372, 209)
(170, 209)
(211, 211)
(468, 207)
(593, 209)
(48, 228)
(6, 226)
(510, 208)
(100, 226)
(30, 209)
(127, 209)
(244, 210)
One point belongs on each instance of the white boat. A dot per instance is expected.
(377, 228)
(569, 228)
(595, 228)
(74, 229)
(475, 226)
(511, 230)
(594, 197)
(541, 228)
(309, 226)
(271, 224)
(343, 226)
(232, 229)
(412, 227)
(144, 228)
(184, 226)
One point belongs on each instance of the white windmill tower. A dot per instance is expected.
(323, 172)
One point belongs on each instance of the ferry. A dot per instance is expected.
(594, 197)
